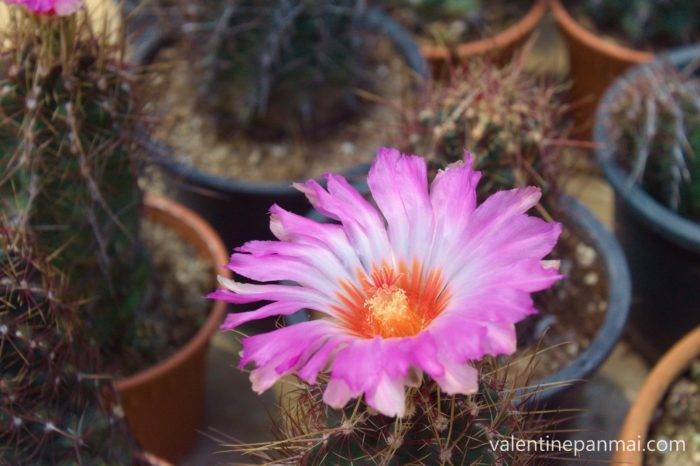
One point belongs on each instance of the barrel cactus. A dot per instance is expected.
(437, 429)
(508, 118)
(68, 174)
(275, 68)
(53, 408)
(647, 23)
(655, 127)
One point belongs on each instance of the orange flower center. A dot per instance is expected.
(392, 302)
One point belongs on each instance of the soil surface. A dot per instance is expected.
(678, 418)
(570, 313)
(177, 307)
(452, 29)
(239, 157)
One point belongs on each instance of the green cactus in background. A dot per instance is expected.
(647, 23)
(655, 126)
(437, 429)
(68, 176)
(437, 9)
(52, 404)
(276, 68)
(509, 119)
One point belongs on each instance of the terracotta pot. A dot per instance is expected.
(666, 371)
(500, 47)
(164, 404)
(593, 64)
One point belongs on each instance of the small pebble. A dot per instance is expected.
(347, 148)
(591, 278)
(585, 254)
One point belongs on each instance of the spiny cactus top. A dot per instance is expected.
(511, 119)
(426, 284)
(49, 7)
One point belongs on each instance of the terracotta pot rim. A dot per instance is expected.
(501, 40)
(217, 252)
(604, 47)
(508, 36)
(665, 372)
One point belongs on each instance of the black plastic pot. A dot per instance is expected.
(238, 208)
(662, 247)
(562, 388)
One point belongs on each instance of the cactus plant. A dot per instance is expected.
(510, 120)
(647, 23)
(451, 22)
(279, 68)
(442, 21)
(438, 428)
(68, 174)
(655, 126)
(52, 408)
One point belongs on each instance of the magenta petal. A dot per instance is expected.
(358, 365)
(399, 186)
(388, 397)
(318, 361)
(289, 341)
(283, 308)
(337, 394)
(459, 379)
(482, 261)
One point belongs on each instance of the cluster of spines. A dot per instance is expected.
(54, 409)
(437, 429)
(276, 69)
(655, 122)
(507, 117)
(68, 175)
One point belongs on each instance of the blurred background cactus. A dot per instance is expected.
(66, 159)
(52, 408)
(655, 125)
(508, 118)
(437, 428)
(647, 22)
(445, 22)
(276, 68)
(451, 22)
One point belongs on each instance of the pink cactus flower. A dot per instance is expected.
(427, 284)
(49, 7)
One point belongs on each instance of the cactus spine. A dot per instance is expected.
(68, 175)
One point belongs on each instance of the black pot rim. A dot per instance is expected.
(153, 40)
(656, 216)
(618, 299)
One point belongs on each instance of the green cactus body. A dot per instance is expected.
(68, 176)
(51, 407)
(437, 429)
(280, 68)
(647, 23)
(655, 124)
(505, 116)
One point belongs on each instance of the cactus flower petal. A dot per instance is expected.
(49, 7)
(427, 283)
